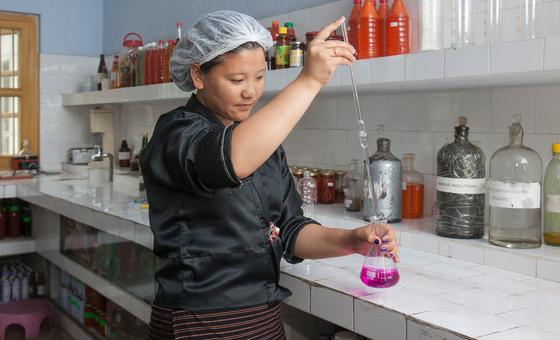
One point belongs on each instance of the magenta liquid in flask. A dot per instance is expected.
(378, 271)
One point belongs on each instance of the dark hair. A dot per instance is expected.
(250, 45)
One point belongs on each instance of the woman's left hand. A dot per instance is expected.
(381, 234)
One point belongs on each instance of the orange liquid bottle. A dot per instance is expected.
(368, 38)
(383, 13)
(354, 24)
(413, 189)
(166, 58)
(398, 30)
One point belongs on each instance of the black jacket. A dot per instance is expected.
(211, 230)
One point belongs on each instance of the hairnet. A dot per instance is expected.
(212, 35)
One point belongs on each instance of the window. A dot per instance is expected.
(19, 85)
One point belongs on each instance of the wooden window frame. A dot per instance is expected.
(28, 92)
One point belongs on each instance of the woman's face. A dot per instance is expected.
(232, 87)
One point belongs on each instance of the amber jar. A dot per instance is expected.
(326, 193)
(339, 187)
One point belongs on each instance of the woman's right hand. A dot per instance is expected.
(323, 56)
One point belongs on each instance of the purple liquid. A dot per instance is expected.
(379, 278)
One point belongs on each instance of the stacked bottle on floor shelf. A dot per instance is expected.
(19, 282)
(138, 64)
(514, 190)
(96, 312)
(15, 218)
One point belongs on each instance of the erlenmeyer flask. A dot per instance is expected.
(378, 271)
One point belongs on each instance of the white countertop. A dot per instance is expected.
(448, 288)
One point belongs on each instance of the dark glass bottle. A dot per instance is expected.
(102, 72)
(26, 220)
(3, 224)
(124, 155)
(460, 187)
(14, 220)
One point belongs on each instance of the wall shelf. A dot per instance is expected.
(527, 62)
(17, 246)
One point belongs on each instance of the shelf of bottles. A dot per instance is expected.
(21, 278)
(126, 264)
(101, 317)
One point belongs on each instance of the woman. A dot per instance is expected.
(223, 205)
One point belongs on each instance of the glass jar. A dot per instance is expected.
(514, 193)
(552, 199)
(431, 24)
(412, 189)
(463, 22)
(386, 174)
(326, 189)
(460, 187)
(307, 189)
(339, 187)
(352, 188)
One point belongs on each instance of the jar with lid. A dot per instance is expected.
(296, 54)
(352, 188)
(514, 193)
(326, 188)
(127, 74)
(339, 186)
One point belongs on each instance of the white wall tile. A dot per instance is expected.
(552, 53)
(422, 145)
(375, 109)
(324, 113)
(478, 57)
(436, 110)
(335, 147)
(507, 102)
(506, 57)
(477, 106)
(386, 70)
(425, 65)
(547, 109)
(403, 114)
(346, 112)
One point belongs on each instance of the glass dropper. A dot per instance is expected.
(362, 135)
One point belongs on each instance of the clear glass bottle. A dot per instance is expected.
(412, 189)
(386, 174)
(514, 193)
(352, 188)
(493, 20)
(463, 15)
(307, 189)
(551, 190)
(431, 14)
(529, 19)
(460, 187)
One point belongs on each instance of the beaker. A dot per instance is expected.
(378, 270)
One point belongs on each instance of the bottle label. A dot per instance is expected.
(465, 186)
(394, 24)
(553, 203)
(296, 58)
(282, 55)
(514, 195)
(124, 155)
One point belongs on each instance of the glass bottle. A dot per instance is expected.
(529, 19)
(352, 188)
(463, 22)
(115, 72)
(552, 199)
(460, 187)
(398, 30)
(431, 24)
(101, 71)
(493, 20)
(283, 49)
(514, 193)
(412, 189)
(386, 173)
(339, 187)
(124, 155)
(326, 187)
(307, 189)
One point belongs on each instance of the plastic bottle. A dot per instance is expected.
(369, 35)
(412, 190)
(307, 189)
(354, 24)
(139, 66)
(283, 49)
(383, 11)
(398, 30)
(148, 56)
(291, 30)
(166, 76)
(552, 199)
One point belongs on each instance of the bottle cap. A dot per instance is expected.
(283, 30)
(289, 24)
(556, 148)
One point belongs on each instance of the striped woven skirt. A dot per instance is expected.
(258, 322)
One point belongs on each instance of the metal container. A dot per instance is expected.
(386, 174)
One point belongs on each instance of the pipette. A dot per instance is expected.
(362, 134)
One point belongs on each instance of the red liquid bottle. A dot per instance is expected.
(368, 38)
(354, 24)
(383, 12)
(398, 30)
